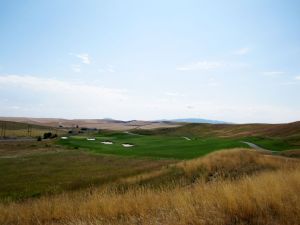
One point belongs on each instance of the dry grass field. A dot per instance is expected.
(237, 186)
(11, 129)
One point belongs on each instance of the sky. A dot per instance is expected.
(236, 61)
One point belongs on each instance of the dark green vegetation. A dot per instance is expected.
(152, 145)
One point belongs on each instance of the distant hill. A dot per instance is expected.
(107, 123)
(198, 120)
(290, 131)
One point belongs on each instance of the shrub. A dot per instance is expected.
(47, 135)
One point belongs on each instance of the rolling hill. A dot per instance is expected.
(108, 124)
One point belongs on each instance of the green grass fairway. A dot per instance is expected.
(152, 145)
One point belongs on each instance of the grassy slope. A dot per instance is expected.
(228, 187)
(153, 145)
(33, 169)
(275, 137)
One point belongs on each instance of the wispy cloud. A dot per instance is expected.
(242, 51)
(76, 68)
(174, 94)
(297, 77)
(85, 58)
(202, 65)
(205, 65)
(273, 73)
(62, 87)
(108, 68)
(62, 98)
(213, 83)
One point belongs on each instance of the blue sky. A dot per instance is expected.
(237, 61)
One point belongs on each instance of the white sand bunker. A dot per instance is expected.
(107, 142)
(127, 145)
(186, 138)
(91, 139)
(64, 138)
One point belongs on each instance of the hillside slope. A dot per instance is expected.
(224, 188)
(109, 124)
(231, 130)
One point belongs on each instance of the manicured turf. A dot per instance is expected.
(152, 145)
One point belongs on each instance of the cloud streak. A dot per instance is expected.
(62, 88)
(202, 65)
(206, 65)
(84, 57)
(273, 73)
(242, 51)
(76, 68)
(109, 69)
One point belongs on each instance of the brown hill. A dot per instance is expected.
(91, 123)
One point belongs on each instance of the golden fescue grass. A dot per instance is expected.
(268, 197)
(291, 153)
(236, 162)
(220, 165)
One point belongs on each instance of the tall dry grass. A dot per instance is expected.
(268, 196)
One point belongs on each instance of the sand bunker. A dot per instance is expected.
(186, 138)
(107, 142)
(91, 139)
(127, 145)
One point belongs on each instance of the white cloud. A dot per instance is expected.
(202, 65)
(211, 66)
(85, 58)
(297, 77)
(213, 83)
(273, 73)
(174, 94)
(63, 88)
(108, 68)
(15, 107)
(101, 70)
(50, 97)
(242, 51)
(76, 68)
